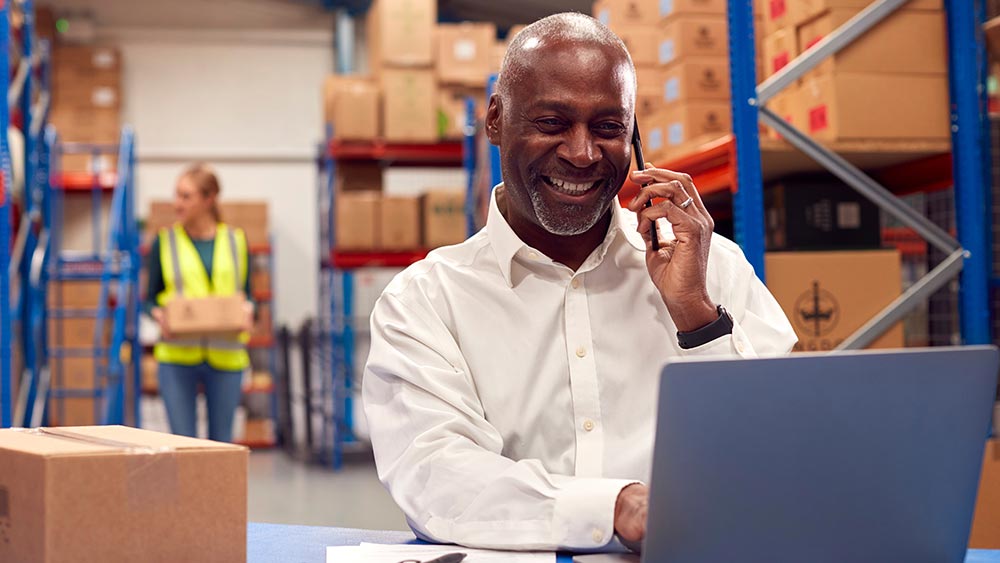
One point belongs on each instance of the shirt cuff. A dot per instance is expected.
(585, 512)
(736, 344)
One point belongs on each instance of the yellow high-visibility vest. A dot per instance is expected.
(184, 274)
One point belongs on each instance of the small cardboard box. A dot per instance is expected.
(780, 14)
(907, 42)
(621, 14)
(409, 111)
(672, 8)
(115, 494)
(465, 53)
(642, 42)
(777, 50)
(696, 79)
(444, 218)
(694, 121)
(399, 223)
(355, 110)
(356, 223)
(829, 295)
(848, 106)
(401, 33)
(693, 36)
(986, 523)
(206, 316)
(649, 81)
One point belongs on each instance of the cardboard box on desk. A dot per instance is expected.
(206, 316)
(854, 106)
(401, 33)
(907, 42)
(444, 218)
(827, 296)
(119, 495)
(693, 36)
(409, 110)
(464, 53)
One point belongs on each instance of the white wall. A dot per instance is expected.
(249, 103)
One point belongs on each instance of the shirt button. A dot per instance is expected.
(740, 347)
(588, 425)
(576, 283)
(581, 352)
(597, 535)
(533, 255)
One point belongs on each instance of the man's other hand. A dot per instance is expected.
(631, 509)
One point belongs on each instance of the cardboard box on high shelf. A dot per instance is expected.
(672, 8)
(399, 223)
(782, 104)
(74, 294)
(178, 499)
(619, 14)
(647, 104)
(653, 130)
(642, 42)
(400, 33)
(356, 221)
(827, 296)
(409, 110)
(358, 176)
(251, 217)
(352, 107)
(693, 36)
(696, 78)
(819, 213)
(986, 521)
(777, 50)
(464, 53)
(809, 9)
(83, 63)
(452, 114)
(85, 96)
(444, 218)
(847, 107)
(695, 122)
(906, 42)
(205, 316)
(780, 14)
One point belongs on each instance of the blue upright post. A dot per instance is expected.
(6, 389)
(970, 150)
(469, 161)
(748, 200)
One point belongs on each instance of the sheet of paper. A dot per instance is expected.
(381, 553)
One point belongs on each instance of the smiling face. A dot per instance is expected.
(564, 132)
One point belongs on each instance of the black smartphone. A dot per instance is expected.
(640, 164)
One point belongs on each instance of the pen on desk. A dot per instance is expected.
(448, 558)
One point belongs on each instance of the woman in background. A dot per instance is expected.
(199, 256)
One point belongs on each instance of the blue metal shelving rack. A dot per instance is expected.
(970, 254)
(6, 387)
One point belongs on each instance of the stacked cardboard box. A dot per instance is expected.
(351, 105)
(856, 94)
(86, 86)
(681, 52)
(368, 220)
(464, 61)
(251, 216)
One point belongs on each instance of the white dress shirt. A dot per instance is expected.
(510, 399)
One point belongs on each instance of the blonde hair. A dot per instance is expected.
(207, 183)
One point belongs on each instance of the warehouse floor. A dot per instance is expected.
(284, 491)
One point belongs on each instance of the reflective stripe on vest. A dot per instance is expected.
(177, 250)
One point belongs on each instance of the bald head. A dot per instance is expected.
(534, 41)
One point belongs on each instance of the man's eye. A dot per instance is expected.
(549, 123)
(611, 128)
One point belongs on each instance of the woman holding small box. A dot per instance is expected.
(200, 257)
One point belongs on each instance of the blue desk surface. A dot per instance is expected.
(276, 543)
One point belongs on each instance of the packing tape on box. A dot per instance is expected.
(150, 472)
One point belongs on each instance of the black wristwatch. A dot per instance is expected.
(715, 329)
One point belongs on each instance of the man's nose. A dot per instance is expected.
(578, 148)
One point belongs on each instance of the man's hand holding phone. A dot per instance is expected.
(677, 267)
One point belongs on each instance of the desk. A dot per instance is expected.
(275, 543)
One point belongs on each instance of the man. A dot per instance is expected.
(511, 383)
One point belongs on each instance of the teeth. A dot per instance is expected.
(568, 187)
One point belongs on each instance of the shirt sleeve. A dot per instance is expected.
(760, 327)
(441, 459)
(154, 284)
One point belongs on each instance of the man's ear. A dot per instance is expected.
(493, 120)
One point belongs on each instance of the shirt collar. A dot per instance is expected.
(506, 243)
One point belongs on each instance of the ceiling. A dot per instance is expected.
(288, 14)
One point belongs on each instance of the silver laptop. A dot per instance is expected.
(846, 458)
